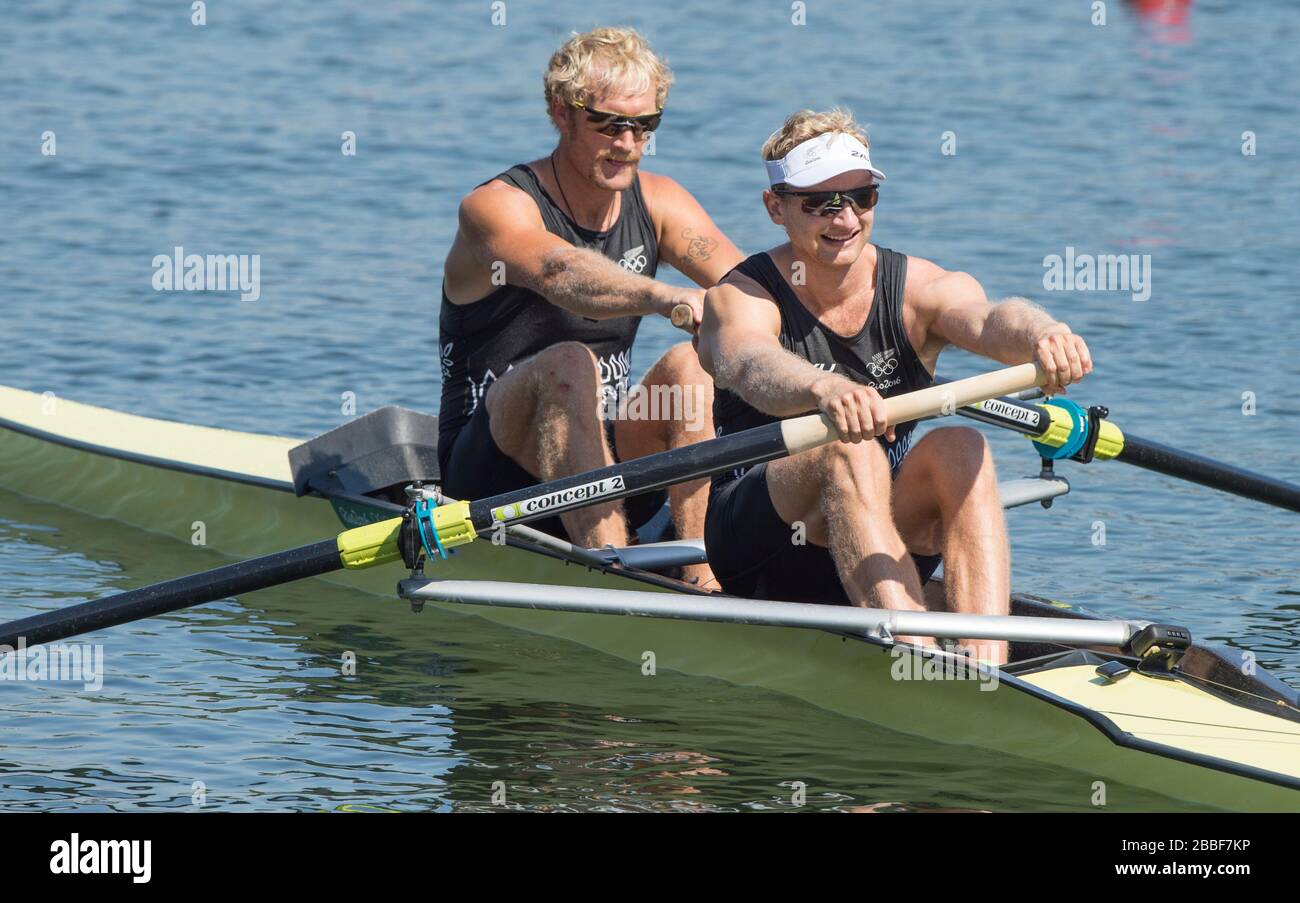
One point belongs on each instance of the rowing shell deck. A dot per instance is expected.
(1213, 735)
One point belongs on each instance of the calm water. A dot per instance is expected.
(225, 139)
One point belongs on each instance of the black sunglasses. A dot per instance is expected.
(614, 124)
(829, 203)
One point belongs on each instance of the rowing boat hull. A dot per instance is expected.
(236, 489)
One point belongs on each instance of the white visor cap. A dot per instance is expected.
(818, 159)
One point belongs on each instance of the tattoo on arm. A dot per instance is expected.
(698, 247)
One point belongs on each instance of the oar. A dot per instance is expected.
(1062, 429)
(461, 522)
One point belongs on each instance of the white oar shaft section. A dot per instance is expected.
(733, 610)
(803, 433)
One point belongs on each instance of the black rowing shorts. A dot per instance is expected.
(752, 556)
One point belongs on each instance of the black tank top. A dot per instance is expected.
(480, 341)
(880, 355)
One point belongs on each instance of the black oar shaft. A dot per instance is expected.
(1207, 472)
(220, 583)
(1032, 419)
(690, 462)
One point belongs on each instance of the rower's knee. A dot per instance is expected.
(678, 378)
(680, 366)
(566, 373)
(957, 458)
(680, 363)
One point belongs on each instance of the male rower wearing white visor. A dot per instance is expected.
(830, 322)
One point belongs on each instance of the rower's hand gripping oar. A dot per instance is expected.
(460, 523)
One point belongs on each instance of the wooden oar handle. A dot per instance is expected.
(683, 317)
(813, 430)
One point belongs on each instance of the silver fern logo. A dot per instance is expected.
(634, 259)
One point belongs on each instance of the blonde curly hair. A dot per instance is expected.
(808, 124)
(605, 60)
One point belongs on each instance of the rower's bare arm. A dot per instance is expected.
(740, 349)
(502, 239)
(689, 240)
(956, 311)
(739, 346)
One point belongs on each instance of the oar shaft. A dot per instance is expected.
(1034, 420)
(148, 601)
(744, 449)
(1172, 462)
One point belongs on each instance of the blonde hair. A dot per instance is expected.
(605, 60)
(808, 124)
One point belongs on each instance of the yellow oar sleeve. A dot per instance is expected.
(372, 544)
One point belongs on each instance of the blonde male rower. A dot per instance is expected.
(551, 271)
(828, 321)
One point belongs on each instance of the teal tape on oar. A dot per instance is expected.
(424, 523)
(1078, 430)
